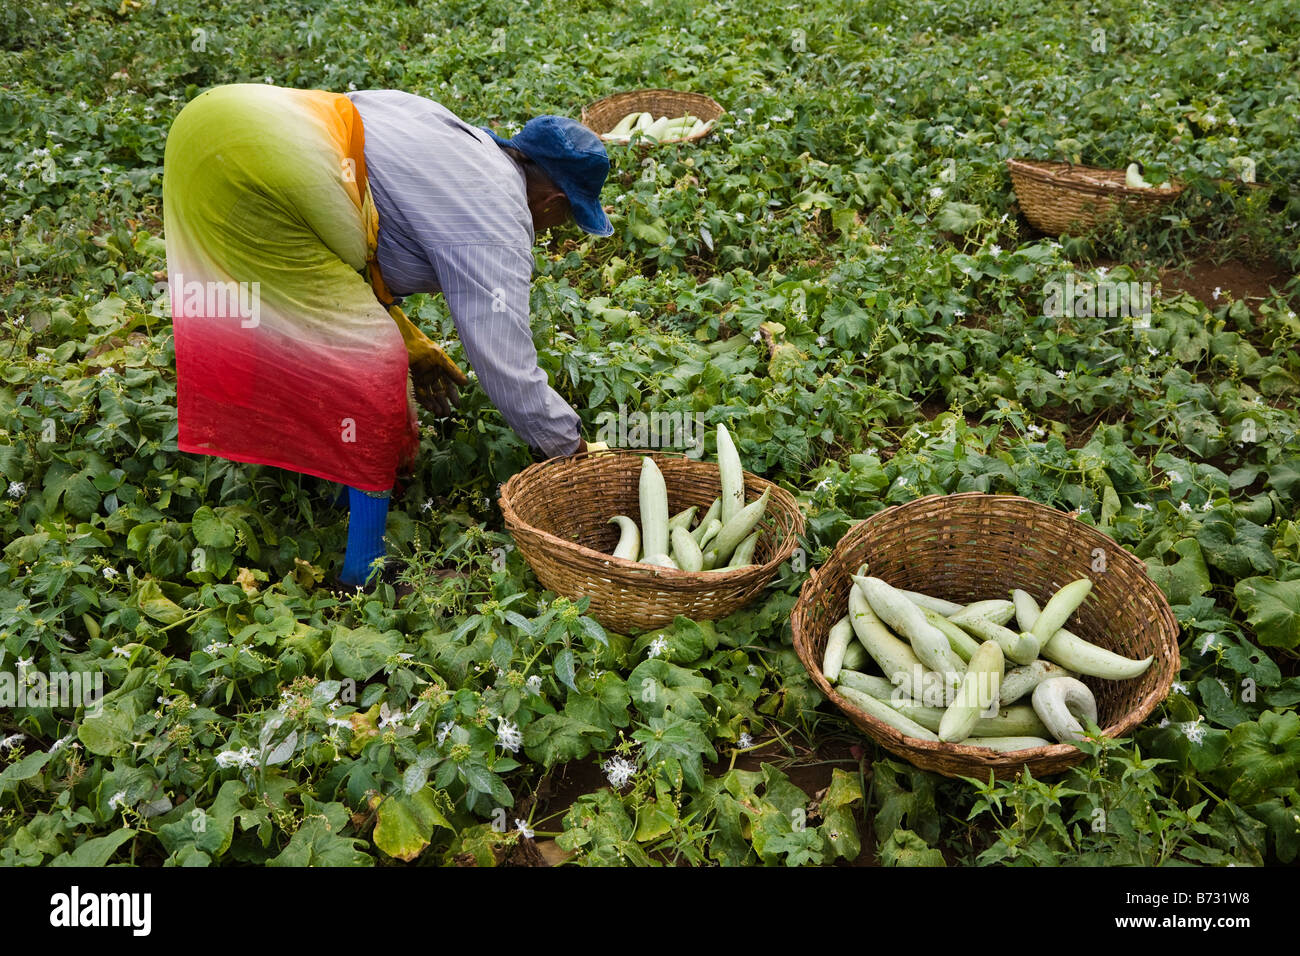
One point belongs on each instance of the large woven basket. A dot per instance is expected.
(603, 115)
(558, 512)
(970, 547)
(1060, 198)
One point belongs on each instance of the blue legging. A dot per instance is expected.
(368, 514)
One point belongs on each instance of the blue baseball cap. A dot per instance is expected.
(575, 160)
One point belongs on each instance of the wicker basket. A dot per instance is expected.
(1060, 198)
(603, 115)
(970, 547)
(558, 512)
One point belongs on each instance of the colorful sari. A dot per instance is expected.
(284, 356)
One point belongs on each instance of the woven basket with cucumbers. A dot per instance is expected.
(569, 516)
(650, 117)
(940, 651)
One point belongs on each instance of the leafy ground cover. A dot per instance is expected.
(855, 194)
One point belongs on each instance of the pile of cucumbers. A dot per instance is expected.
(954, 673)
(723, 539)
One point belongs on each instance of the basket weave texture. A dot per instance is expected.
(970, 547)
(558, 512)
(1060, 198)
(603, 115)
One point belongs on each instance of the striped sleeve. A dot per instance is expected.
(486, 286)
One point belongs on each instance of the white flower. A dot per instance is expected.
(1193, 729)
(740, 217)
(821, 341)
(342, 723)
(757, 336)
(522, 827)
(935, 192)
(1207, 506)
(12, 740)
(117, 800)
(215, 646)
(1208, 643)
(1185, 508)
(745, 741)
(995, 251)
(1178, 687)
(122, 652)
(1152, 350)
(443, 730)
(658, 646)
(1164, 722)
(245, 757)
(109, 573)
(618, 770)
(753, 671)
(1142, 506)
(534, 685)
(1142, 323)
(389, 718)
(1036, 430)
(822, 485)
(59, 744)
(1061, 373)
(508, 735)
(959, 313)
(17, 489)
(1216, 292)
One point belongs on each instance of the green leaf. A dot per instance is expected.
(25, 769)
(153, 603)
(316, 843)
(1186, 578)
(210, 530)
(109, 732)
(405, 824)
(96, 851)
(905, 848)
(1264, 755)
(555, 738)
(958, 217)
(360, 653)
(1273, 610)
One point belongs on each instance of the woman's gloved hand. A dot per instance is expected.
(435, 378)
(437, 381)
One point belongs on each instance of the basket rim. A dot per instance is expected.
(703, 98)
(649, 572)
(1073, 176)
(982, 758)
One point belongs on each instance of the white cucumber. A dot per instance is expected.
(1020, 681)
(882, 712)
(837, 642)
(978, 693)
(654, 509)
(929, 643)
(1060, 702)
(629, 538)
(1076, 654)
(686, 552)
(731, 475)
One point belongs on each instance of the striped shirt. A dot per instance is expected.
(454, 218)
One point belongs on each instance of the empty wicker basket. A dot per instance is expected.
(1060, 198)
(970, 547)
(603, 115)
(558, 512)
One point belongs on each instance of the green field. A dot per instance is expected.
(856, 195)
